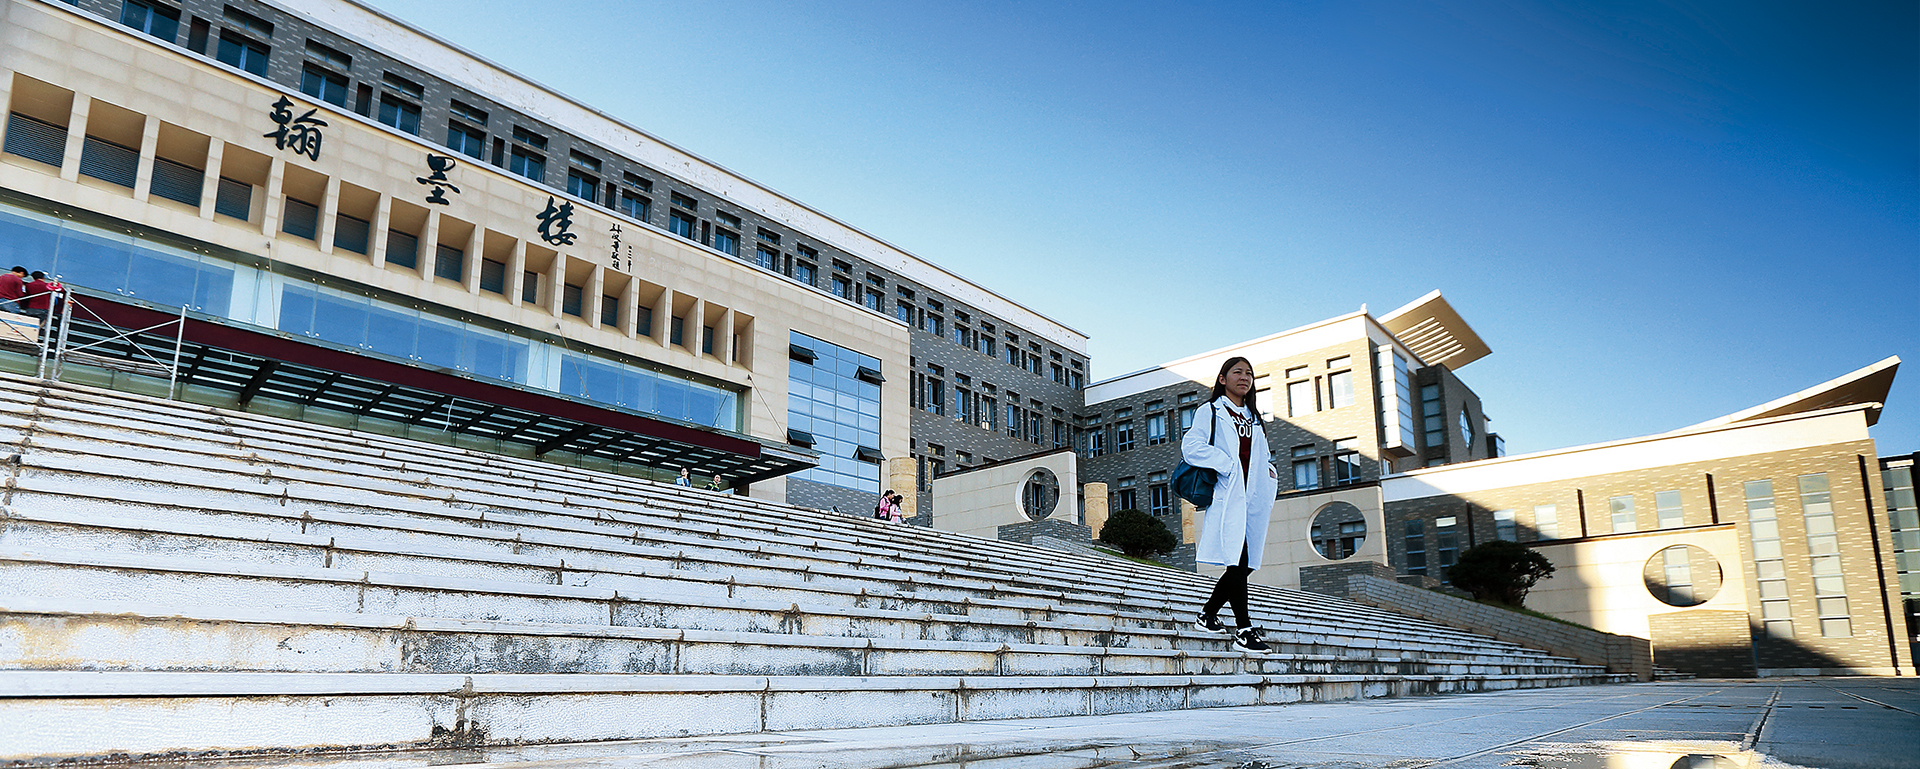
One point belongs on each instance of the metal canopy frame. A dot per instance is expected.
(433, 398)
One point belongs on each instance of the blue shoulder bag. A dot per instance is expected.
(1195, 484)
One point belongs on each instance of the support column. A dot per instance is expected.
(1097, 507)
(903, 476)
(1189, 523)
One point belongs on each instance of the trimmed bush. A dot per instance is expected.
(1138, 534)
(1499, 571)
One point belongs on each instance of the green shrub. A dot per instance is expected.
(1499, 571)
(1138, 534)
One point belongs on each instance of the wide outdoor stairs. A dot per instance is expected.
(177, 580)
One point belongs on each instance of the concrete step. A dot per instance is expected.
(53, 715)
(362, 543)
(52, 445)
(117, 635)
(396, 447)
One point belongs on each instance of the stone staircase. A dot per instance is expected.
(181, 581)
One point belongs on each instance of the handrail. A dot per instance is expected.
(55, 348)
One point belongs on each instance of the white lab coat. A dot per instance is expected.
(1241, 510)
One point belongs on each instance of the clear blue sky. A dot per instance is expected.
(1655, 213)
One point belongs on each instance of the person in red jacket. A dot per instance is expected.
(13, 285)
(43, 296)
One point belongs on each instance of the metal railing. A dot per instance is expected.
(55, 345)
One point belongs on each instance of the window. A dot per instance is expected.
(323, 84)
(634, 205)
(493, 276)
(466, 139)
(685, 202)
(1015, 420)
(609, 309)
(449, 263)
(1159, 494)
(1504, 527)
(399, 113)
(1433, 411)
(903, 311)
(1096, 441)
(767, 236)
(1416, 546)
(1125, 499)
(302, 219)
(843, 287)
(1446, 540)
(1123, 435)
(677, 331)
(528, 164)
(1186, 418)
(525, 160)
(1666, 505)
(1546, 522)
(239, 52)
(706, 340)
(1340, 387)
(1156, 429)
(1466, 430)
(529, 138)
(572, 298)
(934, 324)
(1769, 563)
(350, 233)
(1306, 468)
(803, 272)
(936, 397)
(467, 112)
(151, 18)
(1823, 555)
(1301, 399)
(963, 406)
(682, 223)
(1620, 509)
(726, 242)
(403, 249)
(1346, 461)
(767, 258)
(1059, 430)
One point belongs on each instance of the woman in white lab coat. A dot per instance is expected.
(1227, 438)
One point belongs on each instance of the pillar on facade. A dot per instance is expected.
(1096, 497)
(1189, 523)
(903, 476)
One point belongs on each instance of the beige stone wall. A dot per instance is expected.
(1598, 582)
(980, 501)
(104, 80)
(1097, 512)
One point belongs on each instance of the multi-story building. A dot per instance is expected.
(368, 225)
(1345, 401)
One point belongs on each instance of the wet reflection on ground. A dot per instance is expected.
(1646, 755)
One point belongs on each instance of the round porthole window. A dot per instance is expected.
(1040, 494)
(1682, 575)
(1338, 531)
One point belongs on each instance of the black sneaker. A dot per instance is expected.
(1209, 624)
(1248, 639)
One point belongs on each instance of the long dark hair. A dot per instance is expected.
(1220, 384)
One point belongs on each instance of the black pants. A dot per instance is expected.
(1232, 589)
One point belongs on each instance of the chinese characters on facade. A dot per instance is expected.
(300, 134)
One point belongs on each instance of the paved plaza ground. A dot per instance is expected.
(1832, 723)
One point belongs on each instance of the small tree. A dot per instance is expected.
(1138, 534)
(1499, 571)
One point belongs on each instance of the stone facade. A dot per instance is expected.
(1715, 644)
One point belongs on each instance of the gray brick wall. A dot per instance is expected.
(1620, 654)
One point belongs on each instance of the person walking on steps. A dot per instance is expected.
(1227, 438)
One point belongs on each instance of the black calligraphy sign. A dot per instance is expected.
(301, 134)
(439, 165)
(613, 254)
(555, 223)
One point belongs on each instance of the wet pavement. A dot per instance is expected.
(1830, 723)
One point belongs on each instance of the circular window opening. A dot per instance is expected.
(1338, 531)
(1039, 494)
(1682, 575)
